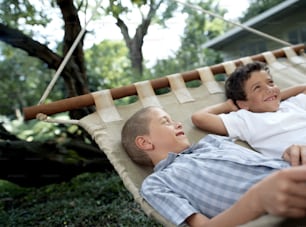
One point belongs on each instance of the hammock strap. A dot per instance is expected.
(208, 79)
(237, 24)
(179, 88)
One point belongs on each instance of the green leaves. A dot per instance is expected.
(257, 7)
(17, 13)
(108, 65)
(23, 81)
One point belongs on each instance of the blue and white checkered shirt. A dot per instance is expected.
(207, 178)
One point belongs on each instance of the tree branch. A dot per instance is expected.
(17, 39)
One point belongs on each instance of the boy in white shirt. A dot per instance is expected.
(255, 112)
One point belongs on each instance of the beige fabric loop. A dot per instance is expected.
(271, 60)
(292, 56)
(246, 60)
(179, 89)
(208, 79)
(229, 67)
(146, 94)
(106, 108)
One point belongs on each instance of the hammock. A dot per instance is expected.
(287, 65)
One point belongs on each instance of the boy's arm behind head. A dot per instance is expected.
(293, 91)
(208, 118)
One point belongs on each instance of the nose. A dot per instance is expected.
(270, 89)
(178, 124)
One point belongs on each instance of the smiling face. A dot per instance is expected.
(261, 93)
(165, 134)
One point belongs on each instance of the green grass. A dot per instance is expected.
(90, 199)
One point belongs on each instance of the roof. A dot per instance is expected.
(278, 10)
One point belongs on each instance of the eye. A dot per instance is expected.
(257, 87)
(166, 121)
(271, 82)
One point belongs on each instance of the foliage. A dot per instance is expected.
(23, 81)
(35, 130)
(8, 188)
(257, 7)
(108, 65)
(124, 9)
(15, 12)
(198, 30)
(90, 199)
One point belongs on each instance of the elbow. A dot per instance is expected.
(195, 118)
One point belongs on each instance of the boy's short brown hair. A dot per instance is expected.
(234, 85)
(136, 125)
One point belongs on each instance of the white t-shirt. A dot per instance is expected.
(271, 132)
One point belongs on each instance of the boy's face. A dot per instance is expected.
(166, 134)
(261, 92)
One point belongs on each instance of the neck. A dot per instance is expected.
(157, 157)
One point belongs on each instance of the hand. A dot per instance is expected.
(295, 155)
(230, 103)
(283, 192)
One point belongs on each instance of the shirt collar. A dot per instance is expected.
(171, 157)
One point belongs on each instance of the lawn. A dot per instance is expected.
(89, 199)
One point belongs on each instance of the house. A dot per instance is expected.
(286, 21)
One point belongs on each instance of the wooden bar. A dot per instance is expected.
(129, 90)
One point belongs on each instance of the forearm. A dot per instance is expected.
(293, 91)
(244, 210)
(224, 107)
(208, 119)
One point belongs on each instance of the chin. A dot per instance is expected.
(186, 145)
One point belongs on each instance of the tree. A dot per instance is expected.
(16, 18)
(74, 74)
(23, 81)
(199, 29)
(257, 7)
(108, 65)
(147, 11)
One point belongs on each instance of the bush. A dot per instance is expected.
(90, 199)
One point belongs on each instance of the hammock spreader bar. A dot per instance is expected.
(86, 100)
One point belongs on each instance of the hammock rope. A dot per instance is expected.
(67, 57)
(46, 118)
(262, 34)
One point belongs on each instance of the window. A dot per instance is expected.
(297, 35)
(252, 48)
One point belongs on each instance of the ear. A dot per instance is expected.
(144, 143)
(243, 104)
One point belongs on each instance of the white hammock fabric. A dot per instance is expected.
(105, 124)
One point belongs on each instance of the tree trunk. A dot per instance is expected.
(135, 44)
(76, 78)
(36, 163)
